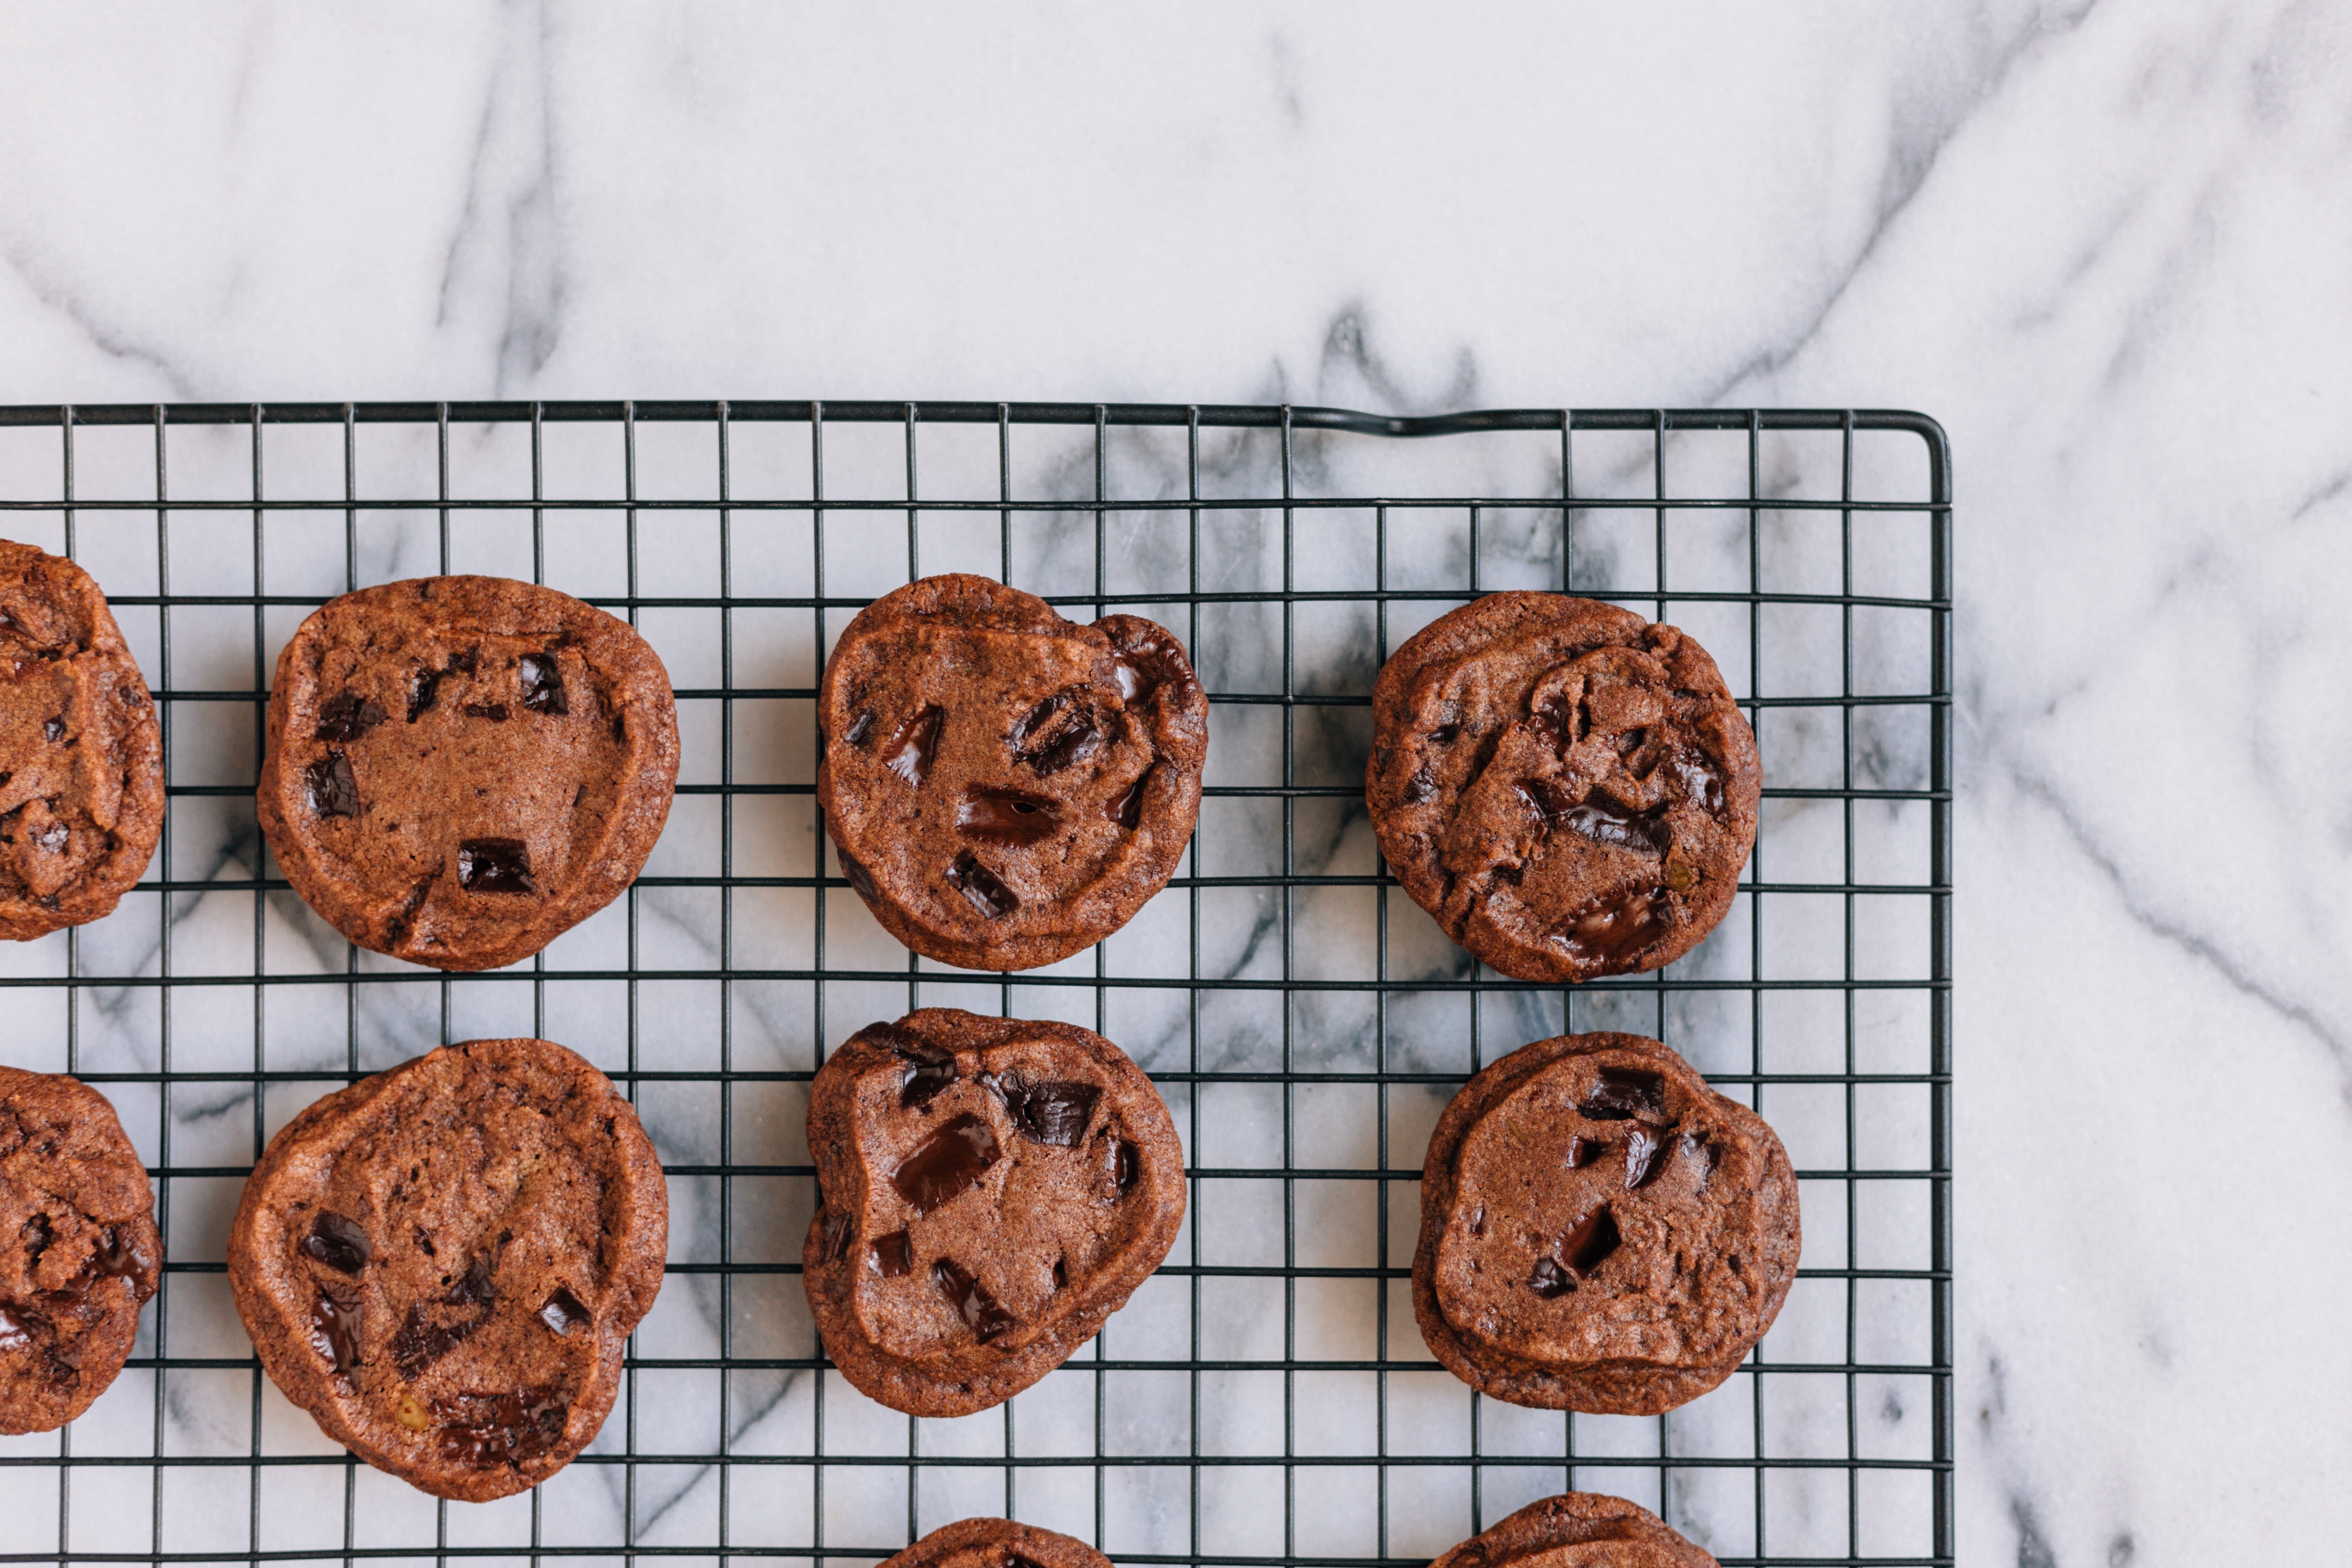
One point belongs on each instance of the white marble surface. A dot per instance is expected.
(2109, 245)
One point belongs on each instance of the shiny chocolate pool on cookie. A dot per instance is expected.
(996, 1543)
(1578, 1530)
(1600, 1230)
(990, 1190)
(1003, 787)
(442, 1263)
(79, 1255)
(459, 769)
(1569, 789)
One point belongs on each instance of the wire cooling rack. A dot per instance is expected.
(1265, 1397)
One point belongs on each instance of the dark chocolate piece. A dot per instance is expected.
(948, 1163)
(1620, 1092)
(543, 683)
(338, 1242)
(983, 1314)
(346, 716)
(894, 1254)
(908, 753)
(494, 866)
(332, 790)
(562, 1311)
(1005, 816)
(1590, 1241)
(980, 887)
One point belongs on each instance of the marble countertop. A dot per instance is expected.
(2108, 247)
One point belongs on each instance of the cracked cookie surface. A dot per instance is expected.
(442, 1263)
(989, 1191)
(1578, 1530)
(1569, 789)
(81, 755)
(1003, 787)
(460, 769)
(997, 1543)
(1600, 1230)
(79, 1255)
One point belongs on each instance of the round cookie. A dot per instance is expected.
(1578, 1530)
(1569, 789)
(81, 756)
(79, 1251)
(996, 1543)
(442, 1263)
(989, 1191)
(460, 769)
(1004, 787)
(1600, 1230)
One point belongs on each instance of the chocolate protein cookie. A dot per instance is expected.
(81, 757)
(442, 1263)
(1578, 1530)
(996, 1543)
(1600, 1230)
(460, 769)
(1569, 789)
(989, 1191)
(1004, 787)
(79, 1251)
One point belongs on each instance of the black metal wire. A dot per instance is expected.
(1302, 507)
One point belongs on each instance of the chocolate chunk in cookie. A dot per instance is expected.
(1003, 786)
(462, 768)
(1600, 1230)
(442, 1263)
(990, 1190)
(1578, 1530)
(996, 1543)
(79, 1251)
(1569, 789)
(81, 756)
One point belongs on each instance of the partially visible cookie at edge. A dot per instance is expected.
(1600, 1229)
(1569, 789)
(80, 1253)
(442, 1263)
(1003, 786)
(1578, 1530)
(81, 753)
(997, 1543)
(460, 769)
(990, 1190)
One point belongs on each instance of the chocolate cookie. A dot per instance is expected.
(1578, 1530)
(989, 1191)
(996, 1543)
(1569, 790)
(442, 1263)
(78, 1252)
(1003, 786)
(460, 769)
(1600, 1230)
(81, 757)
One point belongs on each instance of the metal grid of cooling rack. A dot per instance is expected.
(1265, 1398)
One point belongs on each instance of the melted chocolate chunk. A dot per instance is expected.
(859, 728)
(466, 662)
(53, 728)
(1061, 1273)
(1057, 732)
(543, 683)
(332, 790)
(1005, 816)
(562, 1311)
(422, 687)
(1701, 779)
(929, 1070)
(908, 753)
(981, 1312)
(1126, 1167)
(1422, 788)
(1054, 1112)
(980, 888)
(1644, 833)
(338, 1242)
(856, 876)
(496, 713)
(1592, 1239)
(485, 1429)
(346, 716)
(835, 1236)
(1146, 665)
(1582, 1152)
(1620, 1092)
(1128, 810)
(420, 1341)
(335, 1328)
(893, 1255)
(1694, 1148)
(1444, 734)
(1645, 1156)
(948, 1163)
(1631, 742)
(1549, 1280)
(494, 866)
(1612, 932)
